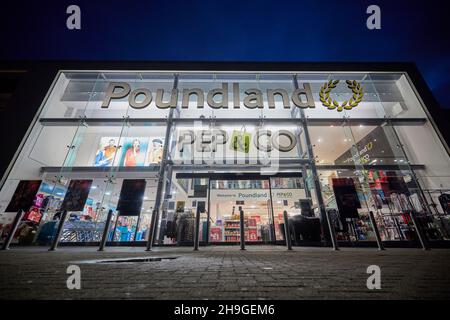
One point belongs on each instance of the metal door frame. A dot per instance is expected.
(239, 176)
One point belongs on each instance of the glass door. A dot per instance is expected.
(230, 198)
(290, 195)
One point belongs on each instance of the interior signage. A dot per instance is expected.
(373, 147)
(215, 98)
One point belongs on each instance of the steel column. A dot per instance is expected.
(155, 213)
(314, 172)
(58, 231)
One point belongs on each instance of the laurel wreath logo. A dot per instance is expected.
(349, 104)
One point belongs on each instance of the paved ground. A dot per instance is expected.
(226, 273)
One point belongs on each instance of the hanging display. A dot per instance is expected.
(76, 195)
(346, 197)
(131, 197)
(24, 195)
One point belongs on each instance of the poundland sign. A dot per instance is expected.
(216, 98)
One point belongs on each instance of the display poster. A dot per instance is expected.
(76, 195)
(396, 183)
(133, 152)
(24, 195)
(131, 197)
(346, 197)
(306, 207)
(155, 151)
(180, 206)
(106, 152)
(215, 234)
(201, 206)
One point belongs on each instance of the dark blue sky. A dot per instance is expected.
(326, 30)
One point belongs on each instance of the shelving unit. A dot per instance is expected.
(232, 231)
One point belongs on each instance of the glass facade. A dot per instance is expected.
(211, 148)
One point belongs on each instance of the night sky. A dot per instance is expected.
(326, 30)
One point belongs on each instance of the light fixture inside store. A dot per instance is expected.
(108, 193)
(319, 140)
(94, 187)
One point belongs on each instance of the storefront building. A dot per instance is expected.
(159, 148)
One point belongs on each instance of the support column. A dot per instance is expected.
(155, 214)
(105, 231)
(241, 229)
(375, 229)
(58, 231)
(287, 233)
(314, 172)
(197, 229)
(422, 238)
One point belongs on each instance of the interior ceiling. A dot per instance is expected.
(331, 142)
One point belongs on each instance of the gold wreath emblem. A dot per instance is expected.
(349, 104)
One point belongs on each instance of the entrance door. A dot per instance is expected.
(262, 199)
(230, 198)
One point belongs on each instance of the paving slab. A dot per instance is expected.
(260, 272)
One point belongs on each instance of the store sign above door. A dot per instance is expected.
(219, 98)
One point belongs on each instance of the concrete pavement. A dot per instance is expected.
(260, 272)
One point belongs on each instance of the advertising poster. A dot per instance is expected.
(180, 206)
(133, 152)
(155, 151)
(76, 195)
(106, 152)
(24, 195)
(215, 234)
(346, 197)
(131, 197)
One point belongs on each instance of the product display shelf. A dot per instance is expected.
(232, 230)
